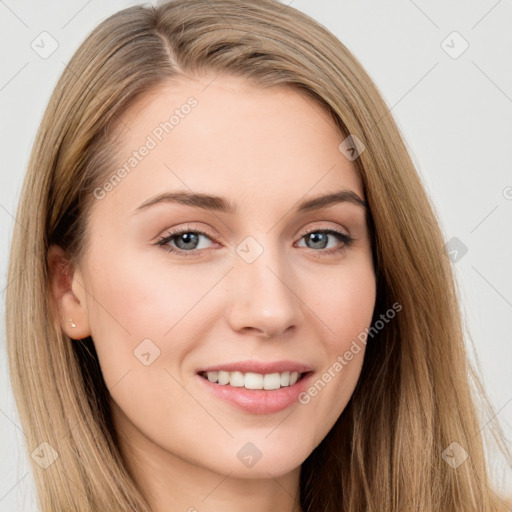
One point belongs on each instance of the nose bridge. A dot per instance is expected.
(262, 288)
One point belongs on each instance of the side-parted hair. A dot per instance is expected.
(417, 389)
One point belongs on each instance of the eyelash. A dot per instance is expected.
(346, 240)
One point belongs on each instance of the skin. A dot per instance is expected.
(274, 147)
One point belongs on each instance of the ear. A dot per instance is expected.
(67, 294)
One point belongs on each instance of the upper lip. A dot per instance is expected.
(263, 367)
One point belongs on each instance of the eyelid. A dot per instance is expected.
(185, 228)
(325, 228)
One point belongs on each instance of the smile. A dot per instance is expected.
(252, 380)
(256, 393)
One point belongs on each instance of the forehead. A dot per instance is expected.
(222, 134)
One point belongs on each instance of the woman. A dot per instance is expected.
(305, 353)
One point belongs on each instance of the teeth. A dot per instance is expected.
(223, 378)
(235, 379)
(213, 376)
(252, 380)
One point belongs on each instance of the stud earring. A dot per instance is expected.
(72, 323)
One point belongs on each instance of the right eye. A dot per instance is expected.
(186, 240)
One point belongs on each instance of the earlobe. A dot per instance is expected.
(70, 309)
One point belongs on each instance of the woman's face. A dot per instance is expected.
(261, 287)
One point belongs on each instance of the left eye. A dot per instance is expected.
(187, 240)
(320, 238)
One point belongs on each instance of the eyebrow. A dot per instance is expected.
(220, 204)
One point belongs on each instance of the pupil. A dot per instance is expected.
(190, 238)
(318, 238)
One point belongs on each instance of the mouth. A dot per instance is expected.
(256, 393)
(253, 380)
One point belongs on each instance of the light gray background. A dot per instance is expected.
(455, 114)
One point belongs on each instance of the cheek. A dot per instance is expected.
(346, 308)
(143, 325)
(145, 320)
(131, 301)
(128, 305)
(346, 303)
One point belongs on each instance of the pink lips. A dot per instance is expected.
(259, 367)
(259, 401)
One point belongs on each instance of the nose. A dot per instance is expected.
(263, 296)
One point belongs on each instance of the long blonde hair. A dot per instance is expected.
(414, 396)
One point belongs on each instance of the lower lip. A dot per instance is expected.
(259, 401)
